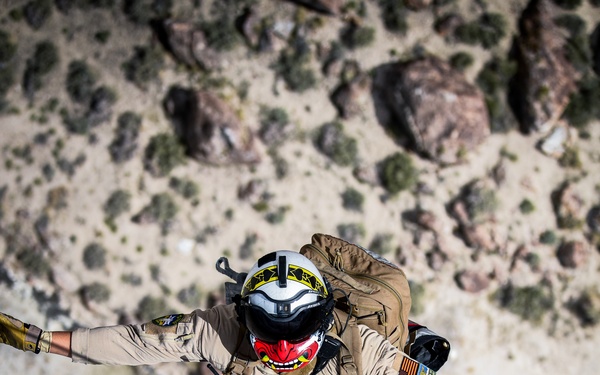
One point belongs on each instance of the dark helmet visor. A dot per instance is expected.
(297, 326)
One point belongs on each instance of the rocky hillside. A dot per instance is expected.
(143, 139)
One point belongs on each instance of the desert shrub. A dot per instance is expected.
(353, 232)
(587, 307)
(7, 52)
(352, 199)
(162, 209)
(574, 24)
(7, 47)
(94, 256)
(382, 244)
(397, 173)
(37, 12)
(152, 307)
(393, 14)
(44, 59)
(582, 107)
(96, 292)
(595, 3)
(274, 125)
(568, 4)
(461, 61)
(143, 11)
(493, 80)
(102, 36)
(355, 36)
(486, 31)
(163, 154)
(32, 260)
(570, 158)
(526, 207)
(190, 296)
(417, 294)
(186, 188)
(221, 33)
(131, 279)
(144, 66)
(530, 302)
(80, 81)
(277, 216)
(480, 201)
(117, 203)
(293, 66)
(548, 237)
(334, 143)
(125, 143)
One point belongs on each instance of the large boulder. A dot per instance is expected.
(545, 78)
(329, 7)
(209, 128)
(445, 116)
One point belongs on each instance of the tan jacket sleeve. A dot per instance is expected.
(379, 356)
(211, 335)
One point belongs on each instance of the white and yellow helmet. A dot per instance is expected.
(286, 303)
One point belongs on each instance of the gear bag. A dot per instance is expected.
(370, 288)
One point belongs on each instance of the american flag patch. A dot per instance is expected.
(411, 367)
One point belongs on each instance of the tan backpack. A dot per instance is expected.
(370, 288)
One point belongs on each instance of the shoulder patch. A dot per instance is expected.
(168, 320)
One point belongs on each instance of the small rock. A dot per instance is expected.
(472, 281)
(554, 144)
(572, 254)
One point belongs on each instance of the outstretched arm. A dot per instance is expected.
(30, 338)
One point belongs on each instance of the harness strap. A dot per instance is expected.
(236, 364)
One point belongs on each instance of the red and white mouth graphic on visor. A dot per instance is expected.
(285, 355)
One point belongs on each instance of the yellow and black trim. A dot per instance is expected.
(295, 273)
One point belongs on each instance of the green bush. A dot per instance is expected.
(526, 207)
(143, 11)
(397, 173)
(548, 237)
(44, 59)
(574, 24)
(7, 74)
(587, 306)
(7, 47)
(186, 188)
(37, 12)
(118, 203)
(161, 209)
(80, 81)
(163, 154)
(124, 145)
(481, 202)
(152, 307)
(486, 31)
(190, 296)
(96, 292)
(353, 200)
(382, 244)
(293, 66)
(570, 158)
(355, 37)
(394, 14)
(221, 34)
(531, 303)
(352, 232)
(568, 4)
(583, 104)
(334, 143)
(144, 66)
(493, 80)
(94, 256)
(277, 216)
(461, 61)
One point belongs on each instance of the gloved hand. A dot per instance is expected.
(20, 335)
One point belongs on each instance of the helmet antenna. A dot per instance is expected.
(281, 271)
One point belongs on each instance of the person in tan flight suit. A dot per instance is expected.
(283, 321)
